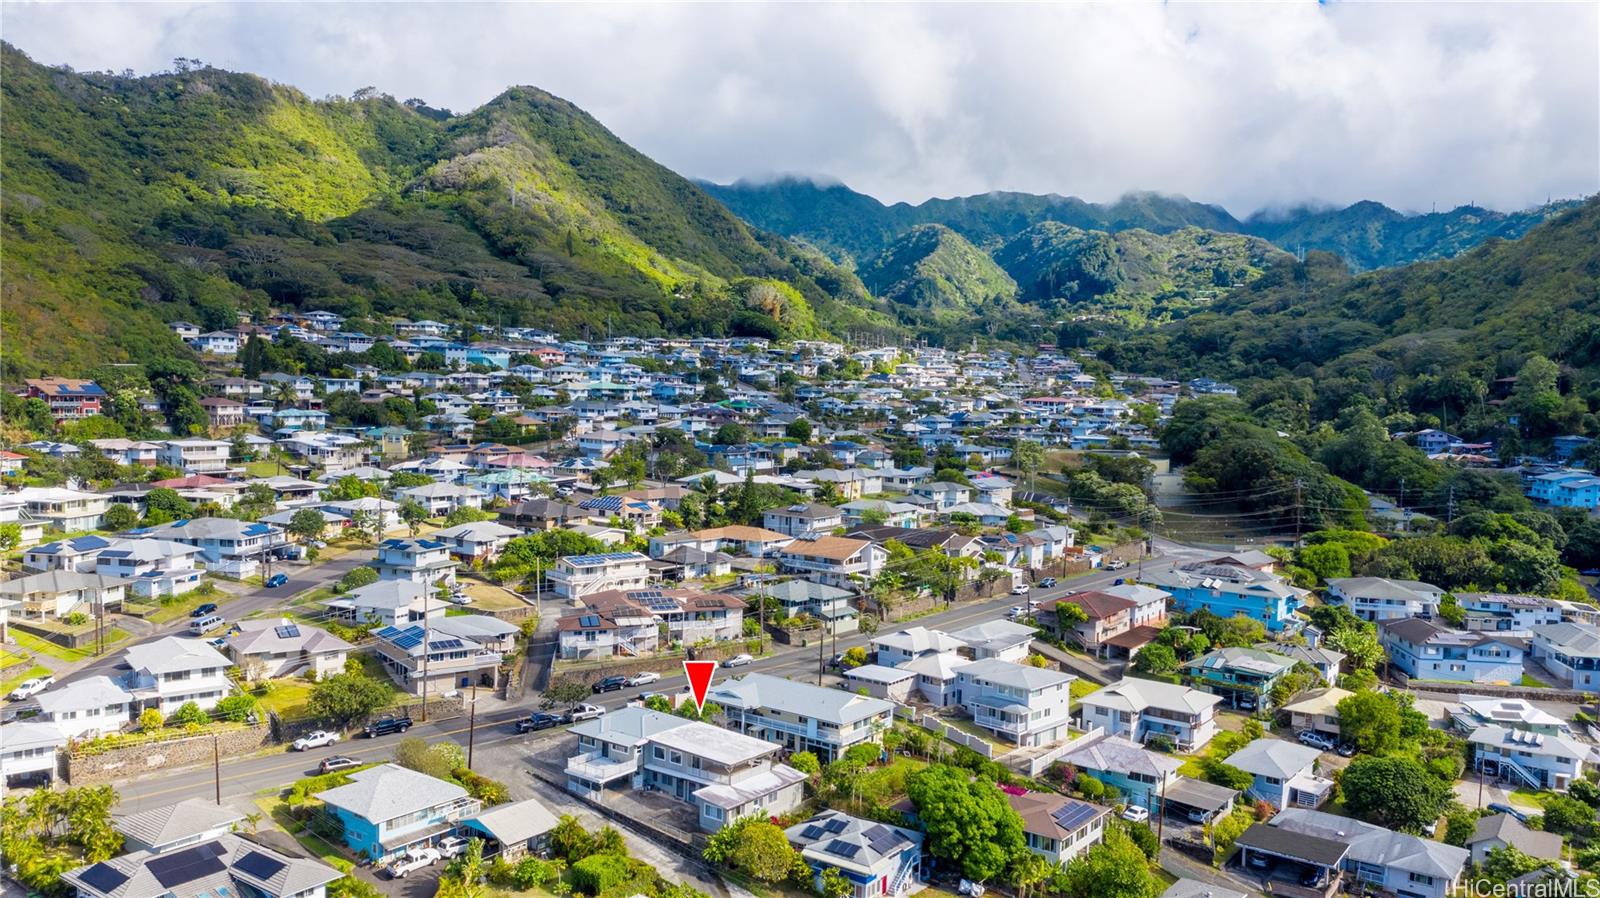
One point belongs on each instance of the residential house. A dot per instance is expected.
(1230, 589)
(280, 647)
(576, 576)
(172, 671)
(425, 561)
(173, 826)
(56, 594)
(541, 514)
(227, 547)
(1498, 831)
(1015, 702)
(426, 661)
(1381, 599)
(612, 748)
(1324, 661)
(1105, 616)
(833, 560)
(1527, 759)
(894, 514)
(1571, 651)
(1144, 709)
(1057, 828)
(941, 496)
(1243, 677)
(29, 530)
(1405, 865)
(62, 509)
(804, 520)
(196, 456)
(726, 774)
(1565, 489)
(1285, 773)
(69, 399)
(386, 809)
(226, 865)
(894, 649)
(1508, 615)
(94, 706)
(624, 627)
(892, 683)
(829, 604)
(936, 677)
(1149, 603)
(28, 751)
(1425, 650)
(388, 603)
(800, 716)
(1317, 710)
(223, 413)
(476, 541)
(513, 830)
(442, 498)
(877, 860)
(1001, 639)
(1140, 775)
(1511, 713)
(153, 568)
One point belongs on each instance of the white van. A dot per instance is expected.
(206, 624)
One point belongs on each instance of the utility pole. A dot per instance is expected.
(427, 593)
(1450, 507)
(822, 647)
(1161, 818)
(216, 766)
(472, 722)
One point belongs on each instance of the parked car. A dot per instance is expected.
(315, 739)
(383, 726)
(219, 643)
(31, 688)
(450, 846)
(276, 580)
(459, 598)
(1047, 582)
(337, 762)
(1259, 861)
(738, 660)
(586, 712)
(1020, 590)
(1499, 808)
(1346, 749)
(644, 678)
(539, 720)
(1311, 876)
(1245, 702)
(1016, 612)
(609, 684)
(204, 609)
(1315, 740)
(413, 859)
(1135, 814)
(1116, 564)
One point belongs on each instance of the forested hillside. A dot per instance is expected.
(933, 269)
(131, 202)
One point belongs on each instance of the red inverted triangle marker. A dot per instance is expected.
(699, 674)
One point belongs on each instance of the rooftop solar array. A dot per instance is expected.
(175, 869)
(882, 839)
(589, 620)
(290, 631)
(1074, 815)
(841, 848)
(812, 832)
(604, 558)
(835, 825)
(103, 877)
(259, 865)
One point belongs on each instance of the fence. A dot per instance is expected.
(1040, 763)
(952, 733)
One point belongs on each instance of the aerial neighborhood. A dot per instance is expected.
(439, 497)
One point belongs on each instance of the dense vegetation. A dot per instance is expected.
(934, 269)
(199, 193)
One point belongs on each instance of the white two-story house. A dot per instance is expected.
(1527, 759)
(1017, 703)
(1141, 709)
(425, 561)
(801, 716)
(169, 672)
(576, 576)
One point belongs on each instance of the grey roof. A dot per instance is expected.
(1117, 754)
(628, 726)
(996, 634)
(92, 692)
(1314, 849)
(388, 791)
(473, 626)
(516, 822)
(1375, 845)
(918, 641)
(1240, 658)
(477, 531)
(174, 653)
(714, 743)
(750, 787)
(1508, 829)
(1006, 673)
(171, 823)
(1572, 639)
(57, 581)
(1542, 744)
(758, 690)
(815, 838)
(1274, 757)
(1384, 588)
(280, 634)
(791, 591)
(1200, 794)
(391, 594)
(1199, 888)
(1318, 657)
(225, 862)
(877, 673)
(1134, 694)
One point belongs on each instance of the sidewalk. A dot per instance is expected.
(1088, 668)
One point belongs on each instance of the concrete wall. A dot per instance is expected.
(122, 763)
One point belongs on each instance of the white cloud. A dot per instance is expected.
(1243, 104)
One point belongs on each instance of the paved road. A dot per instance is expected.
(260, 598)
(247, 776)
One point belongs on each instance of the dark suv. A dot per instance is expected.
(204, 610)
(540, 720)
(611, 684)
(383, 726)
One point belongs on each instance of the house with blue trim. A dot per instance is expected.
(1428, 651)
(1232, 590)
(1565, 489)
(879, 860)
(386, 809)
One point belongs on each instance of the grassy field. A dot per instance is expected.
(13, 681)
(1533, 682)
(61, 653)
(287, 699)
(1081, 687)
(489, 597)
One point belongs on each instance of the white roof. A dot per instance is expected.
(174, 653)
(93, 692)
(1274, 757)
(714, 743)
(1134, 695)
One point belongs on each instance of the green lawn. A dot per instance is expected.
(264, 468)
(278, 812)
(10, 683)
(287, 699)
(1081, 687)
(45, 647)
(1533, 682)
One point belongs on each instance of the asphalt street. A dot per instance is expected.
(247, 776)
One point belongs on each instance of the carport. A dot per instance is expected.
(1295, 864)
(1197, 801)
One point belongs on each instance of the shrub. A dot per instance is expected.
(598, 872)
(356, 578)
(236, 708)
(189, 714)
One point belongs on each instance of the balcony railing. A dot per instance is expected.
(596, 768)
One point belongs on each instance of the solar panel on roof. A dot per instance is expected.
(444, 644)
(103, 877)
(173, 870)
(291, 631)
(835, 825)
(881, 838)
(841, 848)
(812, 832)
(589, 620)
(1074, 815)
(260, 866)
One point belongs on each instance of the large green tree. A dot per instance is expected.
(969, 823)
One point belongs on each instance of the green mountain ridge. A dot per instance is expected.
(132, 202)
(1366, 235)
(933, 269)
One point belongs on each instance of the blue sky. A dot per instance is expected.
(1244, 104)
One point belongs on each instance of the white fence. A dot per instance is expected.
(1040, 763)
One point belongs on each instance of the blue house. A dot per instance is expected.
(1230, 590)
(1138, 774)
(386, 809)
(1565, 489)
(1428, 651)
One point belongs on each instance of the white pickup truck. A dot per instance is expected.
(414, 859)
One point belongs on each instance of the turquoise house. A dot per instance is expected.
(386, 809)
